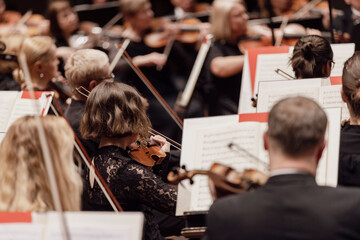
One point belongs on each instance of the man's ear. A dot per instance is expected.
(266, 143)
(92, 85)
(343, 97)
(326, 69)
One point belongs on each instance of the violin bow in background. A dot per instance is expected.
(46, 153)
(153, 90)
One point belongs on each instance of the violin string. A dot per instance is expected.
(46, 153)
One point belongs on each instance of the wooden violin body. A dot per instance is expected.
(147, 152)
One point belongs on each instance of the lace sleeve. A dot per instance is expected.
(145, 187)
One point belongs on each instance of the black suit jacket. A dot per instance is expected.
(287, 207)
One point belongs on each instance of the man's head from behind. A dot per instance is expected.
(297, 128)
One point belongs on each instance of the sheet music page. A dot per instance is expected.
(25, 106)
(269, 97)
(330, 97)
(212, 146)
(342, 52)
(21, 231)
(94, 225)
(327, 172)
(268, 63)
(7, 101)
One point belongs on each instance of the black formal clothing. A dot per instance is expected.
(135, 187)
(74, 114)
(221, 94)
(287, 207)
(349, 160)
(7, 82)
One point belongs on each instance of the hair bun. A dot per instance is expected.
(306, 51)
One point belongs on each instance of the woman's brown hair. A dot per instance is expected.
(351, 83)
(114, 110)
(310, 54)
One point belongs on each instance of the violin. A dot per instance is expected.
(186, 31)
(226, 179)
(146, 152)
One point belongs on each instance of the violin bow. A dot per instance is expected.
(172, 142)
(153, 90)
(90, 165)
(119, 54)
(46, 153)
(185, 97)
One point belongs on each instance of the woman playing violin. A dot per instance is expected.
(223, 67)
(115, 114)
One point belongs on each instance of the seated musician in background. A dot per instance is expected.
(64, 23)
(222, 70)
(348, 24)
(25, 184)
(13, 44)
(84, 70)
(115, 114)
(312, 57)
(290, 205)
(43, 64)
(349, 172)
(139, 17)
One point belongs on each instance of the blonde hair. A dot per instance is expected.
(86, 65)
(13, 44)
(114, 110)
(23, 178)
(220, 17)
(131, 7)
(35, 48)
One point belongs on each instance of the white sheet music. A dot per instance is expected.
(7, 101)
(21, 231)
(268, 63)
(268, 98)
(342, 52)
(330, 97)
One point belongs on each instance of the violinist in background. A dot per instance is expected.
(221, 75)
(182, 8)
(349, 173)
(13, 44)
(25, 184)
(139, 17)
(312, 57)
(115, 114)
(290, 205)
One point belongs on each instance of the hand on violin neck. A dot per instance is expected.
(165, 145)
(151, 59)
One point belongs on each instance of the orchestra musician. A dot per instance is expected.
(138, 16)
(84, 70)
(350, 130)
(290, 205)
(312, 57)
(115, 114)
(221, 75)
(24, 180)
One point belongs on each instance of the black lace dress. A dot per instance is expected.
(135, 187)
